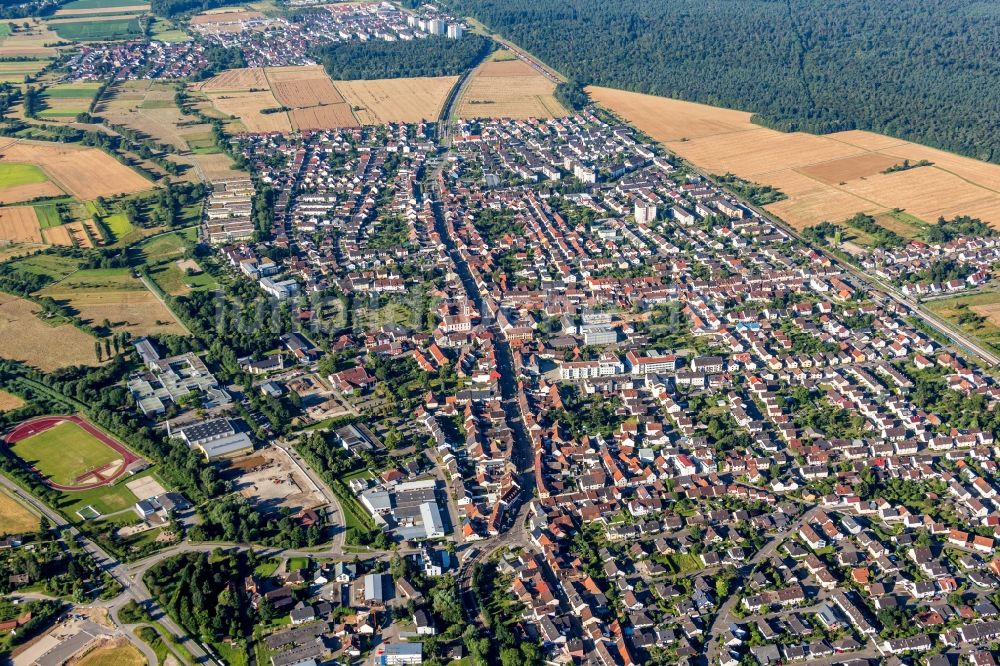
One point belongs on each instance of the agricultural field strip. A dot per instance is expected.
(720, 140)
(98, 11)
(89, 19)
(94, 173)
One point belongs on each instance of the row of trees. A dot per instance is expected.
(922, 71)
(170, 8)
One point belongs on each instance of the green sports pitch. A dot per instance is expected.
(64, 453)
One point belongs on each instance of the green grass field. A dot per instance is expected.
(162, 253)
(64, 453)
(93, 31)
(202, 144)
(97, 279)
(67, 100)
(165, 31)
(48, 216)
(118, 224)
(72, 90)
(977, 314)
(13, 174)
(167, 246)
(176, 282)
(106, 499)
(55, 266)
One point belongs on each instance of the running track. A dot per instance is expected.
(42, 423)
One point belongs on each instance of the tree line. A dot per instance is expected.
(913, 69)
(431, 56)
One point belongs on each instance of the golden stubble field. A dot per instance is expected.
(9, 401)
(14, 517)
(829, 177)
(316, 102)
(85, 173)
(247, 107)
(72, 234)
(224, 19)
(299, 87)
(118, 297)
(508, 89)
(20, 224)
(410, 100)
(26, 338)
(29, 41)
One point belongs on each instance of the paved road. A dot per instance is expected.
(515, 534)
(156, 292)
(134, 589)
(957, 337)
(724, 617)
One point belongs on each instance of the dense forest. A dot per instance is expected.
(432, 56)
(171, 8)
(925, 71)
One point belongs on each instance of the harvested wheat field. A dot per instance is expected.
(295, 73)
(674, 120)
(115, 295)
(59, 235)
(9, 401)
(247, 107)
(829, 177)
(19, 224)
(508, 89)
(410, 100)
(85, 173)
(28, 191)
(72, 234)
(836, 172)
(94, 19)
(26, 338)
(299, 87)
(138, 312)
(323, 117)
(306, 92)
(29, 41)
(14, 516)
(136, 8)
(250, 78)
